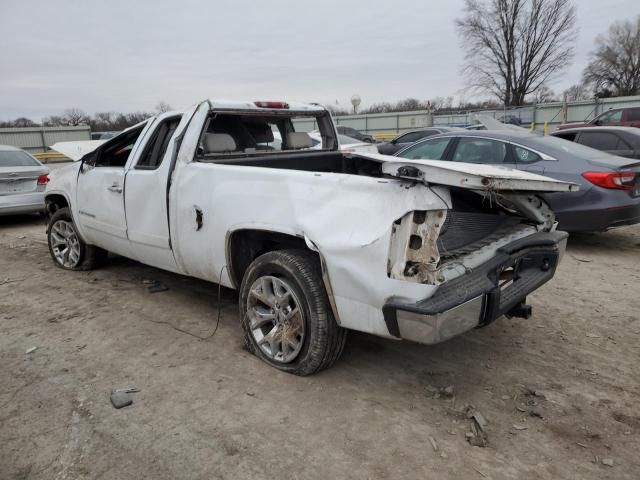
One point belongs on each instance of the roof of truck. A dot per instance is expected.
(251, 105)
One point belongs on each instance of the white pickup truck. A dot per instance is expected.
(316, 241)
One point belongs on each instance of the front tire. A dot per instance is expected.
(285, 313)
(67, 248)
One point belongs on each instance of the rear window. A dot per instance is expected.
(16, 158)
(243, 134)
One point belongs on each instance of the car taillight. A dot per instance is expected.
(270, 104)
(43, 179)
(616, 180)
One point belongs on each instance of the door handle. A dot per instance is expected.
(115, 188)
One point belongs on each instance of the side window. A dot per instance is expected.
(426, 133)
(409, 137)
(599, 140)
(610, 117)
(154, 152)
(567, 136)
(115, 152)
(480, 150)
(633, 114)
(525, 156)
(429, 149)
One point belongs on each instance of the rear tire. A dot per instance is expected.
(285, 313)
(67, 248)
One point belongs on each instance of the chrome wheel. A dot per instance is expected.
(276, 318)
(65, 244)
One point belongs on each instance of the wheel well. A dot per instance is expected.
(55, 202)
(244, 246)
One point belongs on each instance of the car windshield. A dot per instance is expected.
(16, 158)
(566, 146)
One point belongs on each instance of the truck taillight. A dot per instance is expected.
(43, 179)
(271, 104)
(615, 180)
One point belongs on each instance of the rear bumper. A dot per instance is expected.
(22, 203)
(477, 298)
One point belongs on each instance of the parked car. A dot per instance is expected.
(346, 144)
(316, 241)
(621, 141)
(397, 144)
(510, 119)
(353, 133)
(22, 182)
(103, 135)
(609, 186)
(618, 117)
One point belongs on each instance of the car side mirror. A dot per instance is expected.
(87, 159)
(394, 141)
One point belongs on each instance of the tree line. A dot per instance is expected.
(98, 122)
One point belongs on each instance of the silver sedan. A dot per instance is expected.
(22, 182)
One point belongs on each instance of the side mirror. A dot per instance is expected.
(89, 158)
(394, 141)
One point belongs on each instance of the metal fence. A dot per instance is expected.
(539, 114)
(38, 139)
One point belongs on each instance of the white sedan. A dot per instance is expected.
(22, 182)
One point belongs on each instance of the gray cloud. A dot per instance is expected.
(121, 55)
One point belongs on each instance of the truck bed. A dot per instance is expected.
(334, 162)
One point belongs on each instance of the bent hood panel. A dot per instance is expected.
(470, 175)
(76, 150)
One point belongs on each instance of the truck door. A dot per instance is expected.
(99, 194)
(146, 185)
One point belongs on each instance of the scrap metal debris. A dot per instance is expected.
(477, 436)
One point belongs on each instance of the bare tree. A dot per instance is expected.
(163, 107)
(544, 95)
(24, 122)
(577, 92)
(74, 117)
(513, 47)
(53, 121)
(615, 65)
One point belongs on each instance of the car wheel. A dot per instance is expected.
(285, 313)
(66, 247)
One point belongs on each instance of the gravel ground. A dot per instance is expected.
(559, 392)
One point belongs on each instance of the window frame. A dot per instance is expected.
(152, 142)
(92, 159)
(419, 143)
(594, 133)
(610, 113)
(508, 155)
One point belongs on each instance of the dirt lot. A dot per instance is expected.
(559, 391)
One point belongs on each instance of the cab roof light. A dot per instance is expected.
(271, 104)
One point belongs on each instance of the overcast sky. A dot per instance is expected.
(128, 55)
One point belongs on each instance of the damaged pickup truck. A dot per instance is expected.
(316, 241)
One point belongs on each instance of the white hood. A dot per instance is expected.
(76, 150)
